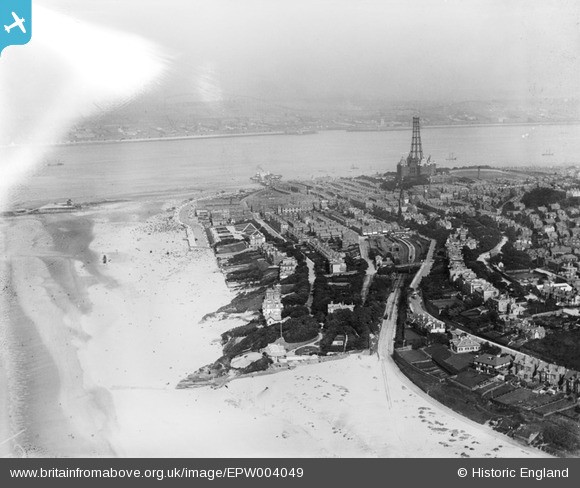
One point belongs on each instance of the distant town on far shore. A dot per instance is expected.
(185, 116)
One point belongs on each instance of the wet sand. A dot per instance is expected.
(57, 413)
(5, 428)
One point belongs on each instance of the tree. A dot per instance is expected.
(538, 197)
(300, 329)
(487, 348)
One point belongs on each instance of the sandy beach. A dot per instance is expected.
(99, 348)
(5, 446)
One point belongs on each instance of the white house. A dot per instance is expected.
(465, 344)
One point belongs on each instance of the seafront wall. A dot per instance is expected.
(274, 368)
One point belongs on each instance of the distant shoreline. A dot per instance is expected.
(520, 124)
(169, 138)
(458, 126)
(283, 133)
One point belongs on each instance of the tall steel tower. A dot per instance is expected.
(416, 154)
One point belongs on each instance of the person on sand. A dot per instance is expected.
(104, 259)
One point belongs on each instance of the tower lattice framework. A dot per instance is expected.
(416, 154)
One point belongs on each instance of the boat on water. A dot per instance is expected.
(265, 177)
(56, 162)
(548, 152)
(58, 207)
(451, 157)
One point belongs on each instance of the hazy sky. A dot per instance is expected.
(87, 56)
(393, 49)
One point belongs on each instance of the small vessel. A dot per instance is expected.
(58, 207)
(451, 157)
(548, 152)
(56, 162)
(354, 167)
(265, 177)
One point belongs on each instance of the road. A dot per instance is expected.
(512, 199)
(195, 232)
(364, 246)
(485, 256)
(269, 229)
(416, 305)
(387, 335)
(311, 279)
(389, 326)
(425, 267)
(415, 299)
(306, 344)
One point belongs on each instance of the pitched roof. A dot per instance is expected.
(572, 374)
(464, 342)
(492, 360)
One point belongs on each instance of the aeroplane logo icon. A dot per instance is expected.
(18, 22)
(15, 22)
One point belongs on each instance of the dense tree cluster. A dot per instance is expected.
(301, 329)
(435, 285)
(379, 289)
(537, 306)
(352, 324)
(225, 242)
(562, 436)
(358, 324)
(356, 264)
(241, 331)
(422, 247)
(247, 257)
(538, 197)
(432, 230)
(261, 364)
(295, 311)
(258, 272)
(402, 315)
(561, 347)
(570, 202)
(425, 207)
(384, 215)
(487, 348)
(481, 270)
(512, 258)
(254, 341)
(481, 227)
(338, 289)
(294, 303)
(300, 325)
